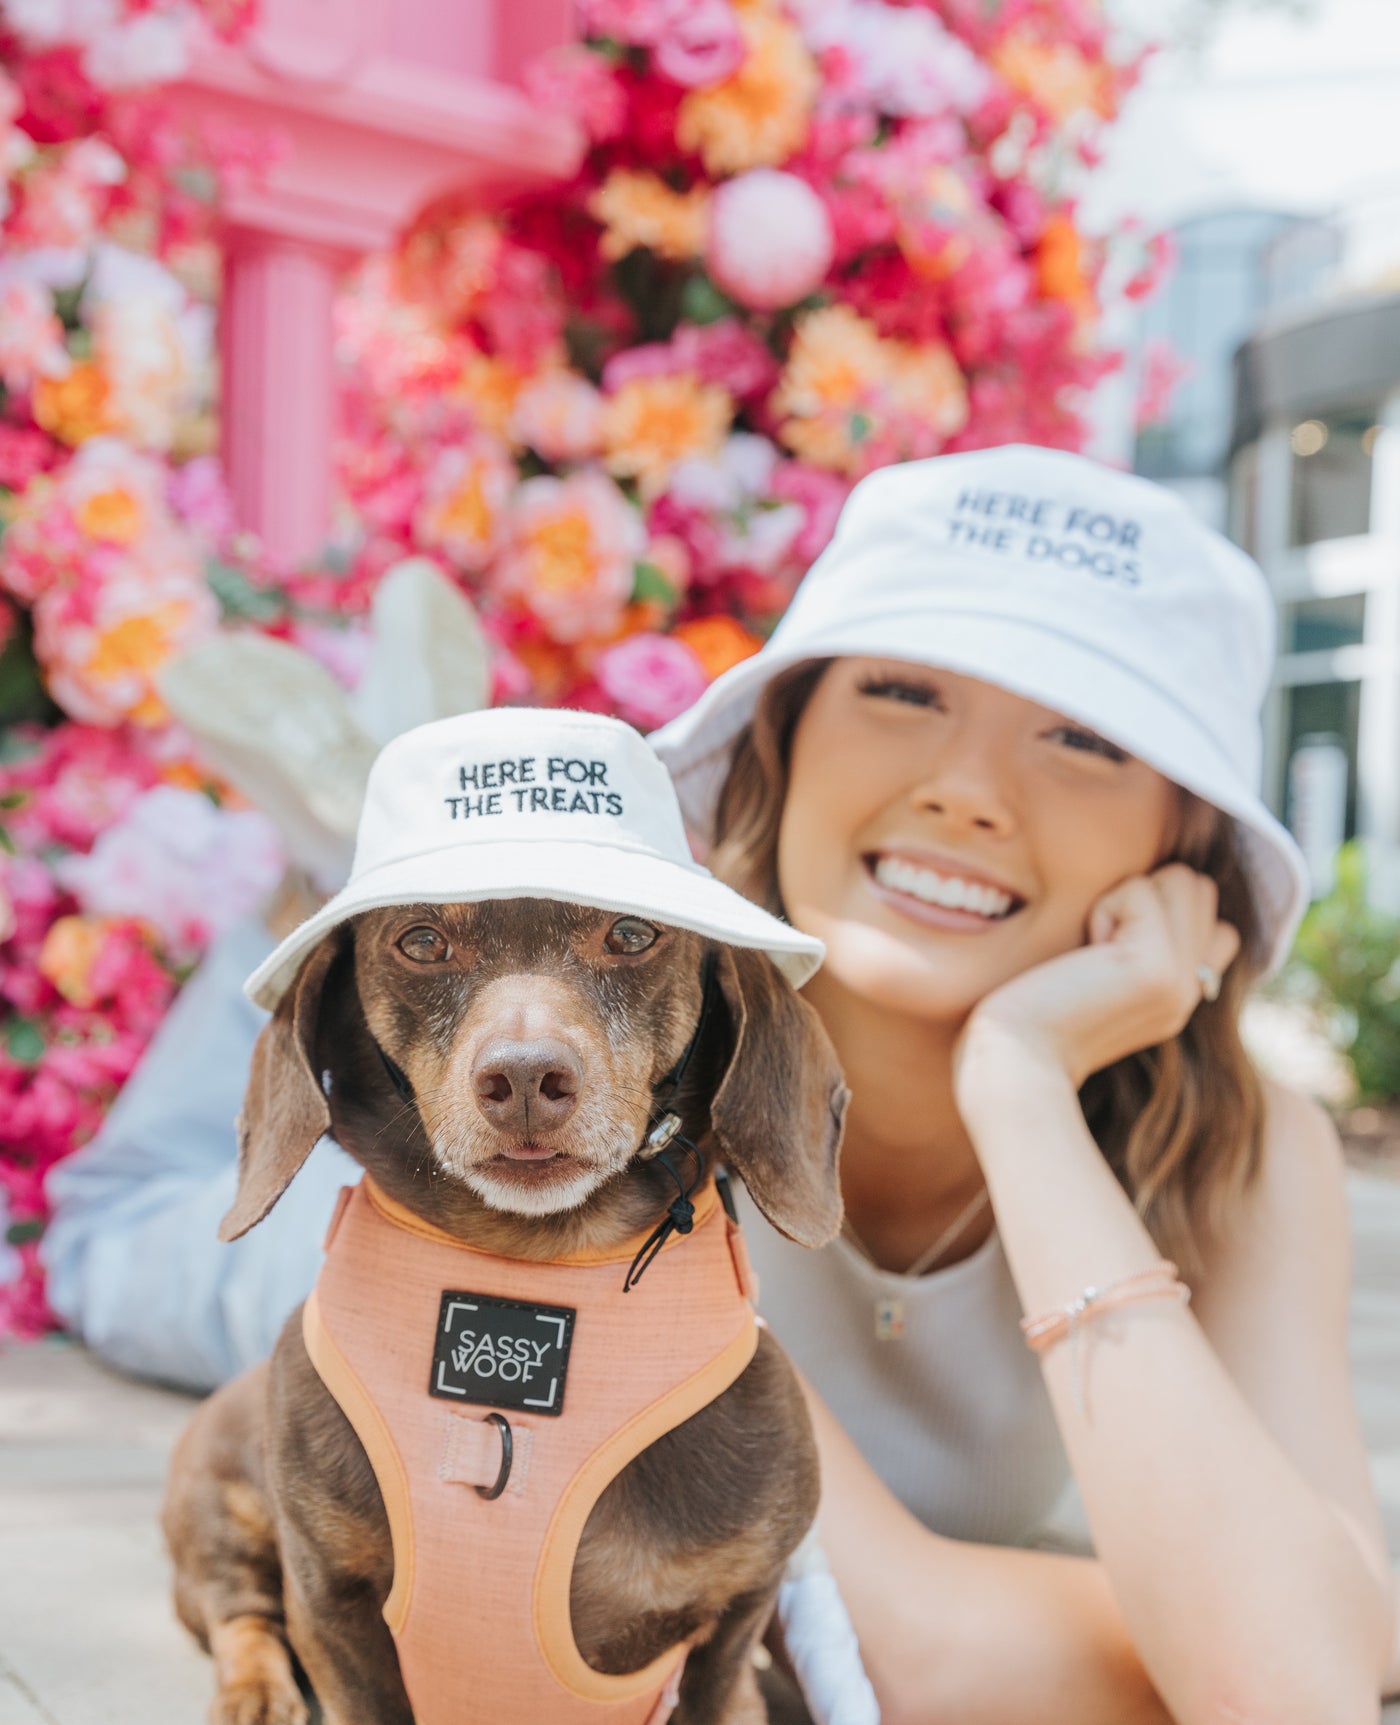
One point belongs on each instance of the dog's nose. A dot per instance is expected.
(527, 1087)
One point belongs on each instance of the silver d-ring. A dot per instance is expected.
(1210, 980)
(491, 1492)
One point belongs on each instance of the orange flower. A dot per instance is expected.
(552, 669)
(1056, 77)
(490, 387)
(570, 553)
(638, 209)
(759, 115)
(717, 642)
(652, 423)
(114, 515)
(74, 407)
(1060, 266)
(131, 651)
(851, 399)
(68, 954)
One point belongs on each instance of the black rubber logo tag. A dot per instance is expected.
(502, 1353)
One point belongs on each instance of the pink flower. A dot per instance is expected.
(102, 643)
(821, 494)
(572, 79)
(31, 336)
(66, 195)
(726, 352)
(24, 452)
(464, 500)
(560, 416)
(771, 240)
(650, 678)
(79, 781)
(197, 493)
(343, 651)
(570, 556)
(698, 43)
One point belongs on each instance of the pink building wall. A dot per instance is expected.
(379, 107)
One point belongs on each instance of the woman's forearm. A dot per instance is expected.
(969, 1634)
(1245, 1592)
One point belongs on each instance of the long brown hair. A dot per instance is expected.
(1179, 1124)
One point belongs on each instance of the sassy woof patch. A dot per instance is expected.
(502, 1353)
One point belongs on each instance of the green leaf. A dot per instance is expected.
(24, 1041)
(702, 301)
(649, 583)
(22, 692)
(237, 595)
(21, 1233)
(1347, 950)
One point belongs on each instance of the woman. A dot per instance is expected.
(1000, 757)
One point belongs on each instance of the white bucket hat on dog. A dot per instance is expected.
(528, 803)
(1089, 591)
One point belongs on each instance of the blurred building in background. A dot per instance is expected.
(1314, 493)
(1280, 186)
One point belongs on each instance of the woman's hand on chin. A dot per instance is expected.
(1133, 985)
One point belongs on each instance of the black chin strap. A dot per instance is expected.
(665, 1144)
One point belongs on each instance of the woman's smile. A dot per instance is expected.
(940, 891)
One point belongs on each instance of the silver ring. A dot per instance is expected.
(1210, 982)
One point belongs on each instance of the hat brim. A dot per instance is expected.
(1013, 653)
(628, 882)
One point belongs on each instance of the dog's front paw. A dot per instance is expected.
(276, 1701)
(254, 1671)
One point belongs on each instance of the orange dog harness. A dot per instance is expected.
(496, 1399)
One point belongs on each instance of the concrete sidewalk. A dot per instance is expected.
(87, 1633)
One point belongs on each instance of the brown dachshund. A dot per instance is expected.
(536, 1038)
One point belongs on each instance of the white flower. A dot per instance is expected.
(153, 341)
(725, 482)
(190, 869)
(763, 538)
(151, 48)
(904, 61)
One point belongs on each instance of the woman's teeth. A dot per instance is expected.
(950, 891)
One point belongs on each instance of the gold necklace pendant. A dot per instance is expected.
(889, 1318)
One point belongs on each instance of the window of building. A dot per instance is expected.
(1320, 625)
(1331, 481)
(1314, 710)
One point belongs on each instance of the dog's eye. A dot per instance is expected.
(629, 934)
(424, 945)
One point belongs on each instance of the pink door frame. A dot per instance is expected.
(378, 108)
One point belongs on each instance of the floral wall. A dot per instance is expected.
(809, 237)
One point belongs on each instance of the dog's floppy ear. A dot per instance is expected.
(284, 1108)
(779, 1109)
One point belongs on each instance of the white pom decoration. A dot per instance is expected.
(821, 1642)
(770, 240)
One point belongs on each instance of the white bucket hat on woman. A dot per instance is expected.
(527, 803)
(1086, 590)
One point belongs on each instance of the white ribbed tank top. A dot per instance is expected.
(953, 1416)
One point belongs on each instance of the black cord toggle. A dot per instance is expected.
(679, 1217)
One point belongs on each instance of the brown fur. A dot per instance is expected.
(273, 1514)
